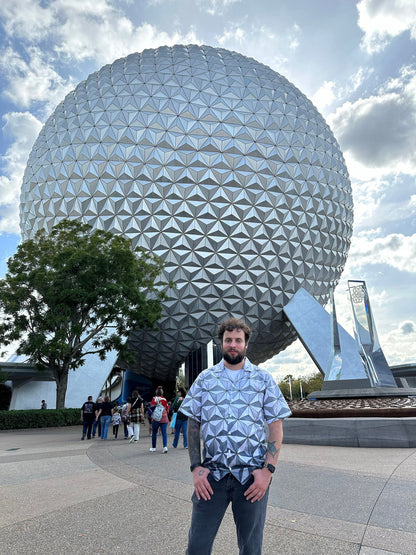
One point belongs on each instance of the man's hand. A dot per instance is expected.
(202, 487)
(258, 488)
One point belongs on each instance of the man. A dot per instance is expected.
(87, 417)
(227, 406)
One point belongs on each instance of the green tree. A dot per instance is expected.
(77, 291)
(309, 383)
(313, 382)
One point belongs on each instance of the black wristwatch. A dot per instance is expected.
(269, 467)
(193, 466)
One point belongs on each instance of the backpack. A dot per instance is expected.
(158, 411)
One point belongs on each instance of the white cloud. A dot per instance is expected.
(271, 47)
(74, 31)
(395, 250)
(9, 215)
(22, 129)
(33, 80)
(324, 96)
(215, 7)
(293, 360)
(332, 92)
(401, 343)
(382, 20)
(387, 203)
(236, 34)
(105, 35)
(294, 37)
(26, 19)
(377, 133)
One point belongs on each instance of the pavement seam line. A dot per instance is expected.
(367, 524)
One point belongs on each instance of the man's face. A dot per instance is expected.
(234, 346)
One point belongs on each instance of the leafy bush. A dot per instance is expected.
(37, 418)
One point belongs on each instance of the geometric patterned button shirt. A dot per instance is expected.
(232, 416)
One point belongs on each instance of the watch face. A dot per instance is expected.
(270, 467)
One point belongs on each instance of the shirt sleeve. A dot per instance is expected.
(191, 405)
(275, 406)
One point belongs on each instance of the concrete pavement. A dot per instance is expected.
(61, 495)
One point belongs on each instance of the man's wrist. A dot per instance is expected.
(270, 467)
(195, 465)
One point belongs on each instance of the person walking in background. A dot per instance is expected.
(181, 423)
(97, 423)
(87, 417)
(115, 420)
(171, 418)
(43, 405)
(104, 415)
(149, 416)
(124, 418)
(135, 412)
(162, 423)
(227, 406)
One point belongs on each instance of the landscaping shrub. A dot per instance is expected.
(37, 418)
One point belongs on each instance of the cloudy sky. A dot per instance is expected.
(355, 60)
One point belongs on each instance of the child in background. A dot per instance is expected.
(115, 420)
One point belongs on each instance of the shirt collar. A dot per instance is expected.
(220, 367)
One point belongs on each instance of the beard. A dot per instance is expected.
(234, 359)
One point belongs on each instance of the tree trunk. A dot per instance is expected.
(61, 379)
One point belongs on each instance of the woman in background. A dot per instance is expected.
(181, 423)
(104, 414)
(135, 413)
(162, 423)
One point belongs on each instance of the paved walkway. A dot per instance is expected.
(60, 495)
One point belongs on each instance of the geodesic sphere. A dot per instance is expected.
(217, 164)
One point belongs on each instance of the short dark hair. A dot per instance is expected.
(159, 390)
(89, 397)
(234, 324)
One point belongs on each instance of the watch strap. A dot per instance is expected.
(270, 467)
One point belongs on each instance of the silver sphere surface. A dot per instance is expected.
(214, 162)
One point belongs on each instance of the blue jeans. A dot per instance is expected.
(105, 424)
(97, 423)
(86, 428)
(163, 428)
(207, 516)
(180, 425)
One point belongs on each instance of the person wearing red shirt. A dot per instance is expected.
(162, 423)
